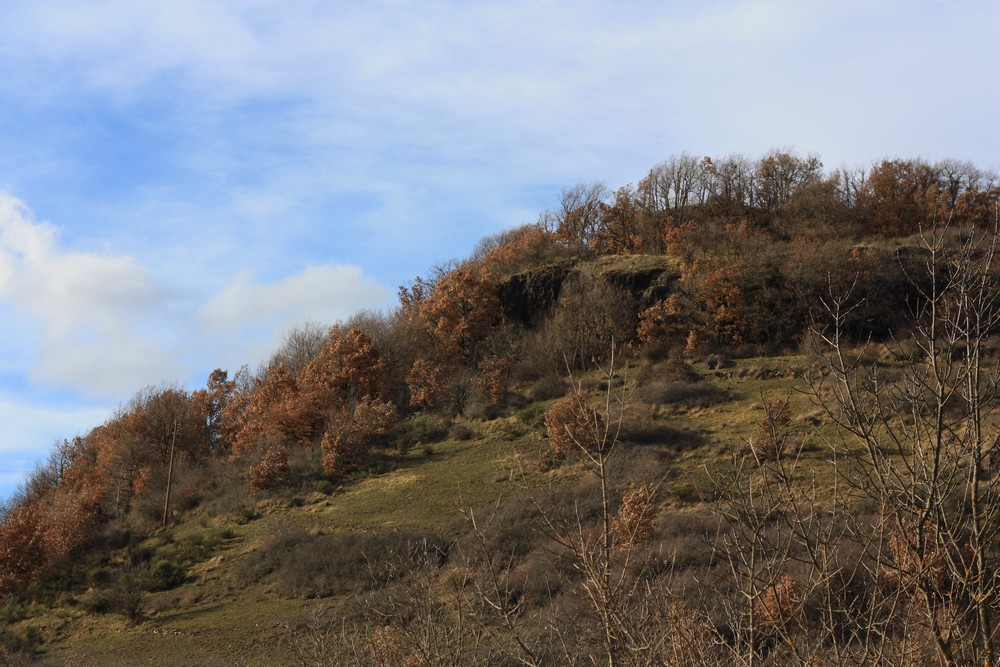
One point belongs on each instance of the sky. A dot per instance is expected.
(183, 181)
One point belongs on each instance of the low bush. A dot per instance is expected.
(678, 369)
(648, 431)
(685, 538)
(572, 423)
(124, 597)
(12, 610)
(165, 574)
(536, 579)
(306, 565)
(533, 415)
(461, 431)
(419, 429)
(18, 648)
(100, 576)
(688, 394)
(548, 387)
(716, 361)
(509, 531)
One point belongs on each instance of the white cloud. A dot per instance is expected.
(108, 329)
(446, 109)
(30, 429)
(87, 304)
(256, 314)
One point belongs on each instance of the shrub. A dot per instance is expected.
(772, 431)
(419, 429)
(508, 533)
(689, 394)
(662, 325)
(18, 649)
(633, 524)
(124, 598)
(548, 387)
(461, 432)
(716, 361)
(97, 603)
(165, 574)
(571, 423)
(535, 579)
(473, 403)
(590, 314)
(781, 604)
(509, 429)
(271, 471)
(678, 369)
(350, 435)
(307, 565)
(532, 415)
(648, 431)
(12, 610)
(685, 536)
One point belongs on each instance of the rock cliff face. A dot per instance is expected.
(528, 296)
(647, 286)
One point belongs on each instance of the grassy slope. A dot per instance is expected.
(212, 619)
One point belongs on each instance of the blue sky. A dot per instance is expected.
(182, 181)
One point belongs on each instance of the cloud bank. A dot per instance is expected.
(105, 328)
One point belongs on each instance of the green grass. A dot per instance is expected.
(213, 618)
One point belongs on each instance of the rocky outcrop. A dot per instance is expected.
(526, 297)
(647, 286)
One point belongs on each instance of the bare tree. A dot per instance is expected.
(299, 346)
(926, 427)
(578, 216)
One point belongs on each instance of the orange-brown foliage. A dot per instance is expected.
(781, 604)
(272, 470)
(210, 405)
(351, 434)
(274, 410)
(663, 320)
(22, 547)
(772, 430)
(900, 197)
(494, 375)
(348, 367)
(618, 229)
(451, 323)
(529, 246)
(70, 521)
(634, 523)
(572, 423)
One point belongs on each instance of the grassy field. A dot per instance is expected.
(218, 616)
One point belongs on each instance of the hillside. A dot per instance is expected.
(738, 412)
(218, 615)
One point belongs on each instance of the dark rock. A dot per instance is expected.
(647, 286)
(527, 296)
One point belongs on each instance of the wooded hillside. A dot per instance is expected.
(657, 510)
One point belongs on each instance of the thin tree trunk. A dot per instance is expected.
(170, 475)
